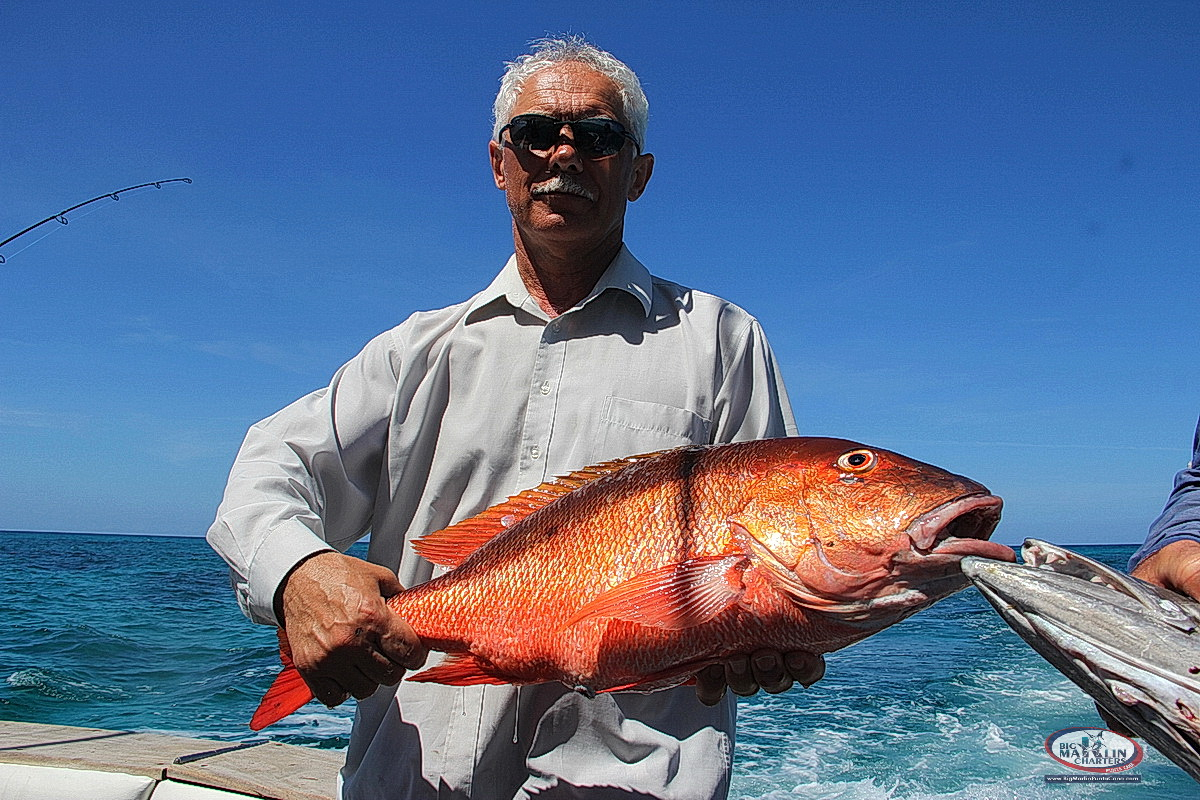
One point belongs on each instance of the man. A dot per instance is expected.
(573, 355)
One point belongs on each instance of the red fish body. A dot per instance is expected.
(640, 572)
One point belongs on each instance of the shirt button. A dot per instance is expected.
(545, 387)
(535, 452)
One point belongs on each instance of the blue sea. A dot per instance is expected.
(142, 633)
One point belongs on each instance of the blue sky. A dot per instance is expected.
(970, 229)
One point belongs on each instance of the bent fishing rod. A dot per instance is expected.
(61, 216)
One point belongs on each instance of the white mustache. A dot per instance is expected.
(563, 183)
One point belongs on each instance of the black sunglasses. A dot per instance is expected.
(596, 137)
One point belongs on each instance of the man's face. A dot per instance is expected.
(547, 214)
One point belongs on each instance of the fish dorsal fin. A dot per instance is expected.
(673, 597)
(452, 545)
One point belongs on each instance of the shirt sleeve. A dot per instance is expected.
(751, 402)
(1180, 518)
(305, 479)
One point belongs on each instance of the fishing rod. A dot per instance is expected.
(61, 216)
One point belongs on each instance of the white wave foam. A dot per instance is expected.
(1028, 788)
(60, 685)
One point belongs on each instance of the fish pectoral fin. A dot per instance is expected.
(460, 669)
(674, 597)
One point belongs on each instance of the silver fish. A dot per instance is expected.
(1134, 647)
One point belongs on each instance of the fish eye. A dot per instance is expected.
(857, 461)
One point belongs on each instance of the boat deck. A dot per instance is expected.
(33, 755)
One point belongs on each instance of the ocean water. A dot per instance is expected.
(142, 633)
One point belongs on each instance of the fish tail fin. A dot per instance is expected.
(288, 693)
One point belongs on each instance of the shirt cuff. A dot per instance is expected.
(276, 556)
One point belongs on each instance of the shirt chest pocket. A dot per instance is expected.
(628, 427)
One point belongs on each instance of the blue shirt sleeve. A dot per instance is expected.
(1181, 517)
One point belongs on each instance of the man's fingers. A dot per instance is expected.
(806, 668)
(345, 675)
(739, 676)
(327, 691)
(378, 668)
(389, 584)
(710, 684)
(359, 684)
(765, 670)
(769, 673)
(399, 643)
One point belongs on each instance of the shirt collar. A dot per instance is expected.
(625, 274)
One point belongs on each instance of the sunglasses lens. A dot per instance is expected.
(600, 137)
(534, 132)
(595, 138)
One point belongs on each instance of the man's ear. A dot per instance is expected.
(496, 154)
(643, 166)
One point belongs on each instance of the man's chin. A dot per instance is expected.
(557, 210)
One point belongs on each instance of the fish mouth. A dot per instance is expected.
(956, 529)
(929, 569)
(917, 575)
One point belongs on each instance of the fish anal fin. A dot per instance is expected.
(674, 597)
(460, 669)
(452, 545)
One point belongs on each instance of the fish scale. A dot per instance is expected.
(639, 572)
(614, 531)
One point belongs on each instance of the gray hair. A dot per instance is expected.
(547, 52)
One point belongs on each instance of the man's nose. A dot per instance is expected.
(563, 155)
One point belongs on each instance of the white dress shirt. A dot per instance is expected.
(453, 411)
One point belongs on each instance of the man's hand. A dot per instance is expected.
(1176, 567)
(768, 670)
(345, 640)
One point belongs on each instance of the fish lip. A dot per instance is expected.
(960, 526)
